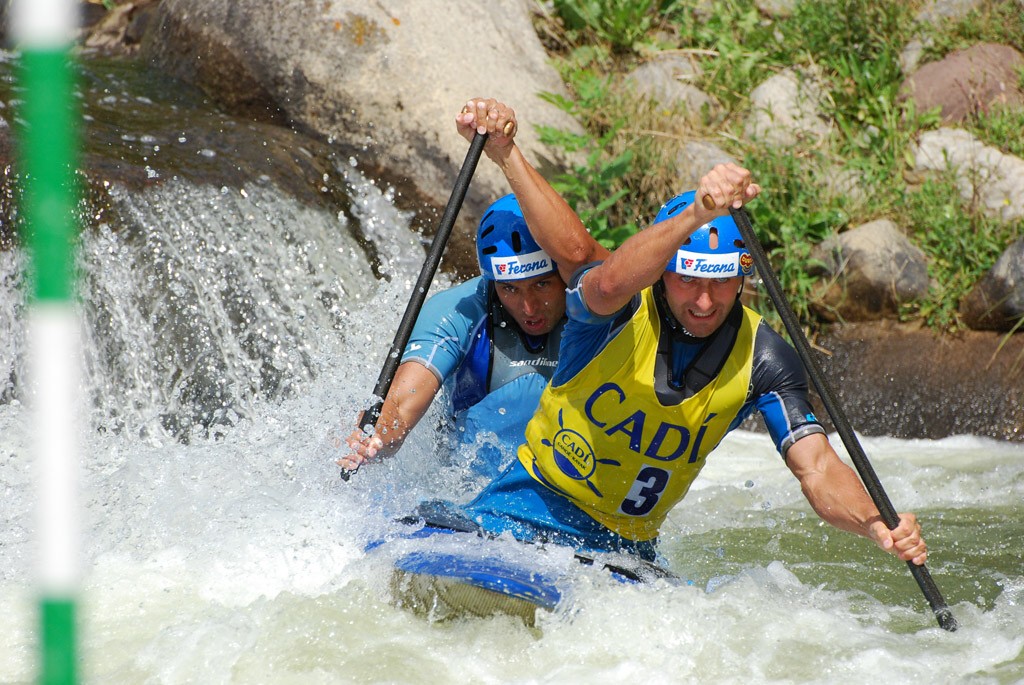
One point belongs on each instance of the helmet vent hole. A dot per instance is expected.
(740, 244)
(713, 238)
(517, 242)
(676, 209)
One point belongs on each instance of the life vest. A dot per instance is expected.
(622, 443)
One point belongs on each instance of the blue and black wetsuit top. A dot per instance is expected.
(492, 372)
(516, 503)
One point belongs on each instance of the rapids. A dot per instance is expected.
(233, 331)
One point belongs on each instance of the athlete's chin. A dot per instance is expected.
(700, 326)
(536, 327)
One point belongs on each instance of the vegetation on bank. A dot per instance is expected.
(630, 147)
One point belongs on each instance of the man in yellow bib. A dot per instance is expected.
(658, 362)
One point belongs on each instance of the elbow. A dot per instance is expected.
(575, 245)
(576, 253)
(606, 289)
(605, 293)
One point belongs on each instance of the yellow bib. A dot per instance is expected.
(605, 440)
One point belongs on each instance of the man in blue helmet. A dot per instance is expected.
(658, 362)
(492, 342)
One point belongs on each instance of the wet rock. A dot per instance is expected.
(996, 302)
(384, 82)
(868, 272)
(908, 382)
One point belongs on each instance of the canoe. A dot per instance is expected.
(443, 567)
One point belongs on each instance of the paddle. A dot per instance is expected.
(842, 425)
(419, 292)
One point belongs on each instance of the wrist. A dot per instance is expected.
(873, 526)
(500, 156)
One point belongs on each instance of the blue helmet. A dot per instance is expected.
(504, 246)
(696, 257)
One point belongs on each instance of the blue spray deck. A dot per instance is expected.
(445, 573)
(495, 575)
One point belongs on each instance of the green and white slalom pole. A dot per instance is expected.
(47, 144)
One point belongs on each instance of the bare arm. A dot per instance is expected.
(553, 223)
(640, 261)
(838, 497)
(412, 391)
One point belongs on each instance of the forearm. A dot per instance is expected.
(836, 494)
(839, 498)
(831, 487)
(639, 262)
(392, 428)
(553, 223)
(643, 258)
(412, 391)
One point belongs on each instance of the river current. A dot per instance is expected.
(234, 331)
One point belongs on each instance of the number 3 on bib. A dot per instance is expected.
(646, 491)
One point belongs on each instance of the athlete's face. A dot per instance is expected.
(701, 305)
(537, 304)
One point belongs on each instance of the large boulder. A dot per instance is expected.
(996, 302)
(868, 272)
(967, 82)
(383, 80)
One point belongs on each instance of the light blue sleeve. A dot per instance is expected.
(444, 329)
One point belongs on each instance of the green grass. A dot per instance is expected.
(620, 24)
(629, 147)
(961, 244)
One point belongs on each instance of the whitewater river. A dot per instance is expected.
(239, 560)
(232, 335)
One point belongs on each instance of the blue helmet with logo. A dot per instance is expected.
(715, 250)
(504, 246)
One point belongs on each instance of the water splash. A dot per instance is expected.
(203, 298)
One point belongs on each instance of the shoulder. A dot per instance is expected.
(776, 364)
(472, 290)
(467, 301)
(452, 314)
(768, 343)
(586, 335)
